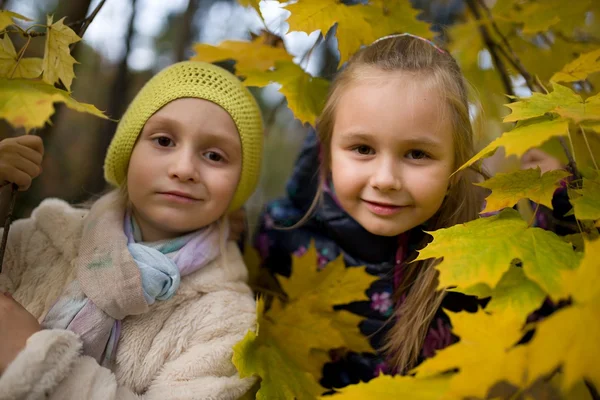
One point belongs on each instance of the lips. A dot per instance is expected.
(383, 209)
(178, 196)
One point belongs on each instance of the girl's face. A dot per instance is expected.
(391, 151)
(184, 168)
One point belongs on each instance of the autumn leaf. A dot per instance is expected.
(313, 15)
(290, 331)
(388, 17)
(305, 94)
(58, 62)
(7, 18)
(481, 251)
(586, 201)
(251, 3)
(580, 68)
(562, 101)
(29, 104)
(508, 188)
(27, 68)
(254, 55)
(280, 377)
(398, 387)
(569, 337)
(516, 295)
(484, 354)
(528, 134)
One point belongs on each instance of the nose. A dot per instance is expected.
(183, 167)
(386, 176)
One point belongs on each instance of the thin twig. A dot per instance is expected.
(492, 47)
(87, 21)
(587, 144)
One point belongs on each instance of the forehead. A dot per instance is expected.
(197, 115)
(395, 104)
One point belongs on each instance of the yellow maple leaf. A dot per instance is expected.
(304, 93)
(508, 188)
(7, 18)
(280, 377)
(482, 250)
(562, 101)
(586, 202)
(29, 104)
(251, 3)
(353, 28)
(531, 133)
(254, 55)
(27, 68)
(570, 337)
(484, 354)
(290, 332)
(386, 387)
(392, 16)
(580, 68)
(58, 62)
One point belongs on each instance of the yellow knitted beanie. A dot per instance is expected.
(199, 80)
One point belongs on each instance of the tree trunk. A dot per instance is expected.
(116, 107)
(186, 31)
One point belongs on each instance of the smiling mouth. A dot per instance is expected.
(179, 197)
(382, 208)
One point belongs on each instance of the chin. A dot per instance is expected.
(384, 229)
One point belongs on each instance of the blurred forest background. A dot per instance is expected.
(130, 40)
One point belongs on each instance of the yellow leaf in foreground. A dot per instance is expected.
(305, 94)
(571, 337)
(483, 355)
(27, 68)
(290, 332)
(587, 201)
(58, 62)
(253, 55)
(7, 17)
(353, 30)
(529, 134)
(580, 68)
(507, 189)
(562, 101)
(280, 377)
(386, 387)
(482, 250)
(29, 104)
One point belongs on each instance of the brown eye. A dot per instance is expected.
(364, 150)
(163, 141)
(213, 156)
(417, 154)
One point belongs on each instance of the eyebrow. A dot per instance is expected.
(414, 141)
(160, 121)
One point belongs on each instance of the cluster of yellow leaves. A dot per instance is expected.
(25, 100)
(289, 347)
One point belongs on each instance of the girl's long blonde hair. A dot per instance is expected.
(462, 203)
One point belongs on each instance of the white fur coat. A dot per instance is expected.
(180, 349)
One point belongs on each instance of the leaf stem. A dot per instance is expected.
(587, 144)
(20, 56)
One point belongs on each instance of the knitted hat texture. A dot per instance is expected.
(198, 80)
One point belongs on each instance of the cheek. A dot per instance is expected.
(346, 175)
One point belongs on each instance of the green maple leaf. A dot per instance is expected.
(562, 101)
(586, 201)
(58, 62)
(531, 133)
(304, 93)
(507, 189)
(29, 104)
(569, 337)
(481, 251)
(580, 68)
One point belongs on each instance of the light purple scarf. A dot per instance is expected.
(117, 275)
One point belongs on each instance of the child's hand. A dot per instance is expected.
(16, 326)
(21, 160)
(539, 158)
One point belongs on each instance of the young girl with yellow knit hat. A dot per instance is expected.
(140, 296)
